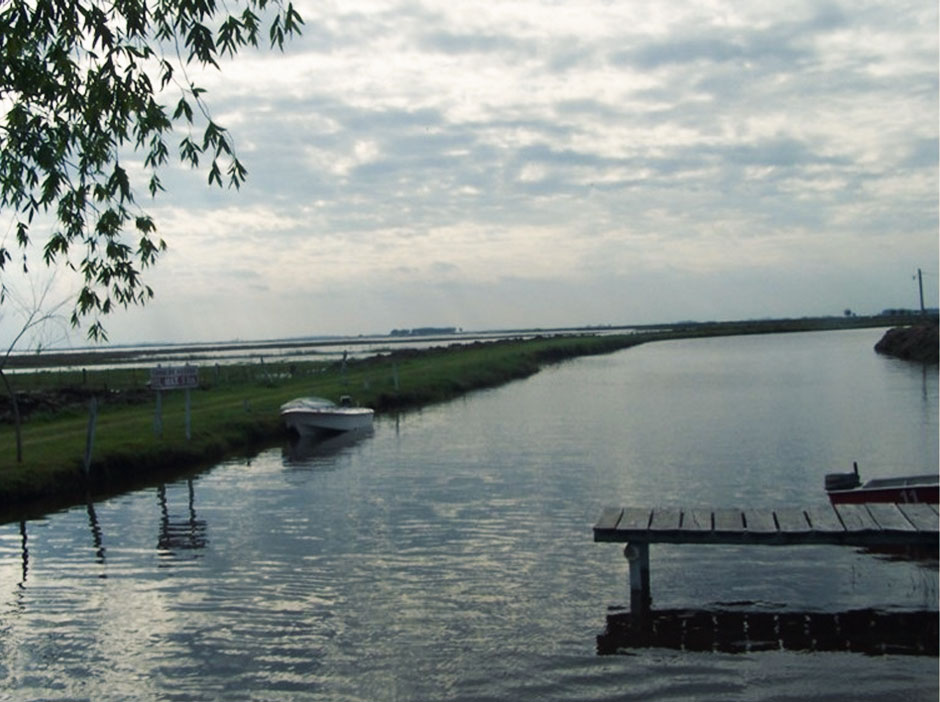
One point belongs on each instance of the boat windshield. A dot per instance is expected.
(307, 403)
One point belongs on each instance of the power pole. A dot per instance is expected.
(920, 286)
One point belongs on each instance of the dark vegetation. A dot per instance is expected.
(918, 343)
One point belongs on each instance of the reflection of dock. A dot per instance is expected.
(868, 526)
(866, 631)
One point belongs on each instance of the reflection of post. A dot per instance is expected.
(638, 554)
(164, 512)
(25, 552)
(95, 531)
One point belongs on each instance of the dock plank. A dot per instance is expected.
(825, 519)
(634, 518)
(760, 520)
(922, 516)
(888, 516)
(791, 520)
(728, 520)
(610, 516)
(697, 520)
(856, 518)
(665, 519)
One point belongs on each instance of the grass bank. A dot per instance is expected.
(234, 412)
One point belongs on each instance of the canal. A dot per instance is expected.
(448, 555)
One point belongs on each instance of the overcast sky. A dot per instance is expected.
(521, 164)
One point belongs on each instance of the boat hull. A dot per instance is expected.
(319, 422)
(895, 490)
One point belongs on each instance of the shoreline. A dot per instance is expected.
(237, 417)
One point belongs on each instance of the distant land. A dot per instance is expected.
(201, 352)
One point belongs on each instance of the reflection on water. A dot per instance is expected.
(869, 631)
(310, 451)
(186, 533)
(25, 552)
(96, 536)
(448, 555)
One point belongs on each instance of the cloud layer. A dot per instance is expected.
(546, 164)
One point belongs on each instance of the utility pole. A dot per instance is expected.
(920, 286)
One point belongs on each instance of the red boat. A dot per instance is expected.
(847, 488)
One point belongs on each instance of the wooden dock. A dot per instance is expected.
(867, 526)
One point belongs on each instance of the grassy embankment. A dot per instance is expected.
(234, 411)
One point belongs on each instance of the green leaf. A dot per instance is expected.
(215, 175)
(183, 110)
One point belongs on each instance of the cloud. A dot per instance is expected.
(531, 163)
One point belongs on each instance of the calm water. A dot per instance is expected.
(448, 556)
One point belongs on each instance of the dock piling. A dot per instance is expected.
(638, 556)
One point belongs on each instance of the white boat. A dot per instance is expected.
(316, 416)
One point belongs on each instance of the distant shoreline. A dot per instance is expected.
(123, 354)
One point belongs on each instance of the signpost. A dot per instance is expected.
(172, 378)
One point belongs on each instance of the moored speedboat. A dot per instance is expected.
(847, 488)
(316, 416)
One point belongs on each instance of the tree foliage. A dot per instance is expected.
(83, 82)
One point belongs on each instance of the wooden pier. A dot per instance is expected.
(866, 526)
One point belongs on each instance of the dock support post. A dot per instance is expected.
(638, 554)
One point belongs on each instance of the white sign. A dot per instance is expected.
(174, 377)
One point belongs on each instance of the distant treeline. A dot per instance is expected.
(901, 312)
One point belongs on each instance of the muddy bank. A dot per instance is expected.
(916, 343)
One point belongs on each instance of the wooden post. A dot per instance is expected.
(638, 554)
(90, 435)
(188, 433)
(158, 416)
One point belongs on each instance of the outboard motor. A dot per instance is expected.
(843, 481)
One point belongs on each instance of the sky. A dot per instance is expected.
(493, 165)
